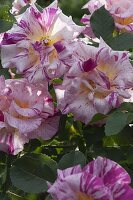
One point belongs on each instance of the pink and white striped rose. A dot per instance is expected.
(121, 11)
(97, 82)
(39, 43)
(17, 5)
(101, 179)
(26, 112)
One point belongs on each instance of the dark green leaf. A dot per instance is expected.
(39, 7)
(4, 197)
(71, 159)
(5, 73)
(102, 24)
(122, 42)
(5, 25)
(124, 138)
(117, 121)
(62, 133)
(127, 107)
(30, 172)
(6, 19)
(98, 117)
(2, 174)
(23, 9)
(94, 135)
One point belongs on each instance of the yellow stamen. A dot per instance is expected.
(22, 104)
(124, 21)
(82, 196)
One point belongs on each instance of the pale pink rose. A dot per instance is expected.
(96, 83)
(39, 42)
(26, 112)
(121, 11)
(17, 5)
(10, 139)
(101, 179)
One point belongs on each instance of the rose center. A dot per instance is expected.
(46, 40)
(83, 196)
(124, 21)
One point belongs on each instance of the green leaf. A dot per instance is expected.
(5, 25)
(117, 121)
(4, 197)
(39, 7)
(127, 106)
(102, 24)
(5, 73)
(71, 159)
(114, 153)
(124, 138)
(23, 9)
(93, 135)
(30, 172)
(62, 133)
(2, 174)
(6, 19)
(122, 42)
(98, 117)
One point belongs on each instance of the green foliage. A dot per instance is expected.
(5, 73)
(30, 172)
(6, 19)
(102, 24)
(71, 159)
(117, 121)
(124, 41)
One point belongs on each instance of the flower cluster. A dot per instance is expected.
(101, 179)
(26, 112)
(98, 81)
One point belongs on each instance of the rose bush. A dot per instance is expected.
(66, 101)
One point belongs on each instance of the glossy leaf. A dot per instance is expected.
(122, 42)
(30, 172)
(117, 121)
(102, 24)
(71, 159)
